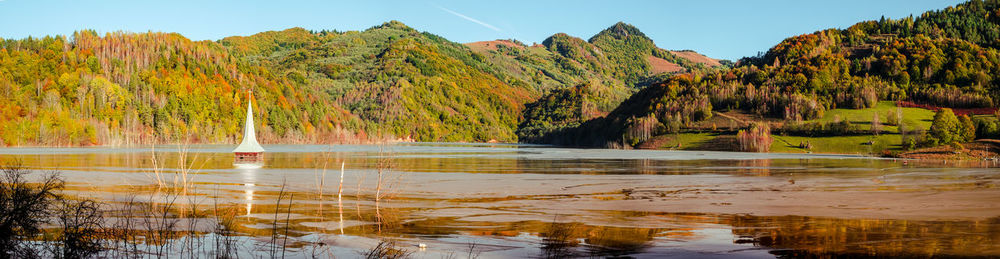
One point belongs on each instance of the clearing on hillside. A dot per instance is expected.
(659, 65)
(697, 58)
(492, 45)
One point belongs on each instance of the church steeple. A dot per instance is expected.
(249, 144)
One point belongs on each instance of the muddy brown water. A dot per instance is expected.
(506, 201)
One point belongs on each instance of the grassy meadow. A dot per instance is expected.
(888, 139)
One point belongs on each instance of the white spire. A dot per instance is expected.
(249, 144)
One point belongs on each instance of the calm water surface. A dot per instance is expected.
(502, 201)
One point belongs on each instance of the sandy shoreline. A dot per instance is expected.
(910, 197)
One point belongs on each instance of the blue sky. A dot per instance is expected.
(727, 29)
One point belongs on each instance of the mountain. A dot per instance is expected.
(328, 86)
(395, 80)
(135, 88)
(634, 56)
(602, 72)
(945, 58)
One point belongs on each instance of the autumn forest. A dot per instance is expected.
(392, 82)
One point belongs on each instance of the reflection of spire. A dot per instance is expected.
(249, 181)
(249, 197)
(340, 205)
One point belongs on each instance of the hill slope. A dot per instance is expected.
(386, 81)
(396, 80)
(945, 58)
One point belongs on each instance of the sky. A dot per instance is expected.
(727, 29)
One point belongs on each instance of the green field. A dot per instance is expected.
(861, 118)
(789, 144)
(917, 117)
(687, 141)
(838, 145)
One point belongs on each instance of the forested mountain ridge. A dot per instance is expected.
(602, 71)
(129, 88)
(946, 58)
(633, 54)
(386, 81)
(395, 81)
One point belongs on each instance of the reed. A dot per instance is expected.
(557, 240)
(388, 183)
(182, 178)
(386, 249)
(223, 241)
(272, 244)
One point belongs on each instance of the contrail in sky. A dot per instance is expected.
(487, 25)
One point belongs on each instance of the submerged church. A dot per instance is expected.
(249, 149)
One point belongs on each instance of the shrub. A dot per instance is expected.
(24, 208)
(80, 222)
(893, 118)
(909, 142)
(986, 128)
(911, 136)
(867, 97)
(386, 249)
(641, 129)
(876, 124)
(756, 139)
(967, 130)
(857, 97)
(945, 129)
(812, 129)
(673, 123)
(953, 97)
(800, 107)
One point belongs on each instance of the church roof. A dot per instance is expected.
(249, 144)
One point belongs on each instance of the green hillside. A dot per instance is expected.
(945, 58)
(396, 80)
(125, 88)
(628, 50)
(389, 81)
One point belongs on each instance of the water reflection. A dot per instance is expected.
(615, 206)
(562, 240)
(615, 242)
(820, 237)
(340, 203)
(249, 174)
(757, 167)
(248, 166)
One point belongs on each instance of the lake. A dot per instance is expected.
(451, 200)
